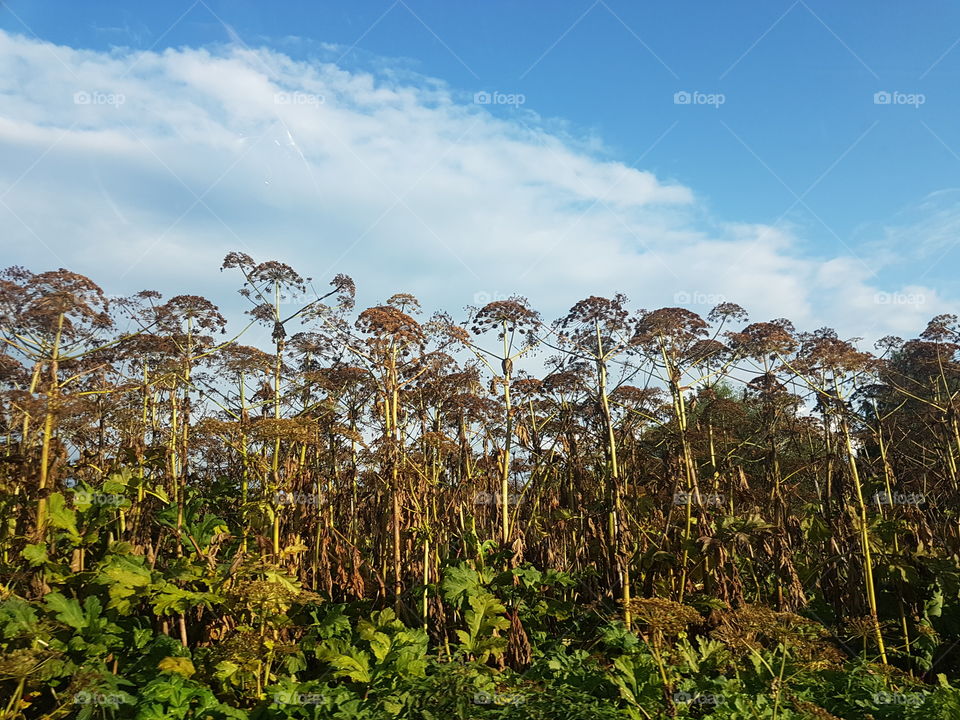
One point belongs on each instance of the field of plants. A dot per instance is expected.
(377, 514)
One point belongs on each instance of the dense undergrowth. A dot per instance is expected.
(389, 517)
(91, 648)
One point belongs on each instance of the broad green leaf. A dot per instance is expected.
(17, 617)
(225, 670)
(356, 667)
(61, 516)
(35, 554)
(380, 644)
(458, 583)
(68, 611)
(179, 665)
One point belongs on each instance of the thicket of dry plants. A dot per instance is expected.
(649, 453)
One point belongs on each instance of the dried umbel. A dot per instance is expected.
(265, 598)
(921, 360)
(673, 330)
(390, 327)
(505, 317)
(637, 398)
(764, 339)
(942, 329)
(289, 430)
(51, 303)
(753, 628)
(727, 312)
(26, 662)
(664, 616)
(767, 385)
(266, 273)
(345, 289)
(192, 311)
(12, 373)
(823, 353)
(243, 359)
(271, 285)
(608, 313)
(339, 379)
(596, 328)
(707, 352)
(527, 388)
(561, 383)
(440, 442)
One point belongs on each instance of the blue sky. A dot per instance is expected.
(788, 189)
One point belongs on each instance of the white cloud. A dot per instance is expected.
(181, 156)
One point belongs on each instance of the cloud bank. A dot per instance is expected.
(143, 169)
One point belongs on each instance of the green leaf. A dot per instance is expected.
(17, 617)
(356, 667)
(35, 554)
(392, 706)
(225, 670)
(61, 516)
(172, 600)
(458, 583)
(126, 578)
(68, 611)
(179, 665)
(380, 644)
